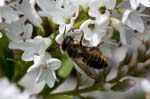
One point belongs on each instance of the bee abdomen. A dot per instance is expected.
(95, 61)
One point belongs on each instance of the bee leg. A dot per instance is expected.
(81, 39)
(64, 32)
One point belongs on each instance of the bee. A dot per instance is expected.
(87, 58)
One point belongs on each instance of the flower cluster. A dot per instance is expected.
(37, 29)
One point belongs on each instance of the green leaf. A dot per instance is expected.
(58, 97)
(66, 67)
(11, 64)
(6, 66)
(80, 19)
(115, 35)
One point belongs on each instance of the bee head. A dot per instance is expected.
(67, 40)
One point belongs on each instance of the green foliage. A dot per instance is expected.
(58, 97)
(6, 66)
(66, 67)
(11, 64)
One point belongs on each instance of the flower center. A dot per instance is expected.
(102, 9)
(67, 20)
(91, 26)
(44, 66)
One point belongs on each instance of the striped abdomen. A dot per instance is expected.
(95, 60)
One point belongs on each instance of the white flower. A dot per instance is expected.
(61, 11)
(10, 91)
(29, 11)
(135, 3)
(145, 83)
(1, 35)
(100, 9)
(18, 31)
(28, 81)
(93, 31)
(44, 66)
(7, 13)
(132, 19)
(35, 47)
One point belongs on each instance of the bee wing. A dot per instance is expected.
(88, 70)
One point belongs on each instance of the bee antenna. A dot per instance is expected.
(64, 32)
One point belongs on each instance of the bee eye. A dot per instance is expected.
(66, 42)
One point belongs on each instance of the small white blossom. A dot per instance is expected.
(135, 3)
(10, 91)
(132, 19)
(35, 47)
(145, 83)
(7, 13)
(93, 31)
(28, 81)
(1, 35)
(100, 9)
(29, 11)
(17, 32)
(44, 66)
(62, 12)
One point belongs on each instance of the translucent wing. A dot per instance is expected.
(88, 70)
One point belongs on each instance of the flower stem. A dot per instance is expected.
(78, 91)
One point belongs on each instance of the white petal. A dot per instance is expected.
(94, 6)
(1, 2)
(125, 16)
(68, 85)
(134, 3)
(1, 35)
(119, 53)
(95, 40)
(145, 2)
(54, 63)
(94, 36)
(123, 37)
(6, 12)
(146, 85)
(104, 18)
(110, 4)
(46, 5)
(59, 38)
(30, 12)
(135, 22)
(50, 80)
(28, 81)
(47, 42)
(35, 47)
(17, 45)
(34, 68)
(28, 55)
(28, 30)
(41, 75)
